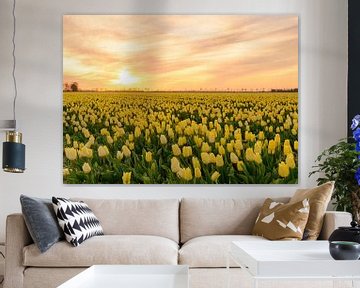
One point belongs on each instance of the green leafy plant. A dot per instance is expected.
(340, 163)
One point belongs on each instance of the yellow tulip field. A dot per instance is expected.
(180, 137)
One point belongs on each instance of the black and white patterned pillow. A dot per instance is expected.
(77, 220)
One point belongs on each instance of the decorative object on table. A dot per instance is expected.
(180, 99)
(13, 149)
(319, 198)
(341, 163)
(279, 221)
(77, 220)
(41, 221)
(351, 233)
(344, 250)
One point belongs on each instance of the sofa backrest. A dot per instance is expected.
(200, 217)
(159, 217)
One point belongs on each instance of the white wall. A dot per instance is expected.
(323, 67)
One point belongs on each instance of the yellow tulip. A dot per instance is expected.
(238, 145)
(137, 132)
(66, 172)
(126, 178)
(75, 145)
(86, 168)
(287, 149)
(187, 151)
(175, 165)
(195, 162)
(258, 147)
(290, 161)
(119, 155)
(230, 147)
(71, 153)
(249, 154)
(198, 141)
(85, 132)
(163, 139)
(68, 139)
(103, 151)
(261, 135)
(109, 139)
(271, 147)
(240, 166)
(215, 176)
(104, 132)
(234, 158)
(277, 139)
(219, 161)
(126, 151)
(221, 150)
(296, 145)
(205, 147)
(257, 158)
(131, 137)
(85, 152)
(131, 145)
(148, 156)
(212, 136)
(171, 133)
(205, 158)
(187, 174)
(212, 158)
(90, 142)
(182, 141)
(176, 149)
(197, 172)
(283, 170)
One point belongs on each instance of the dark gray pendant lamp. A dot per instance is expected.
(13, 158)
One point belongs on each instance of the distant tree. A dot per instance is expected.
(66, 87)
(74, 87)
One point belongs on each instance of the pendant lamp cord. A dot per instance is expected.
(14, 60)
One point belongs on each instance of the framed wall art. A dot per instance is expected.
(180, 99)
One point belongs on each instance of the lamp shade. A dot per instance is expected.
(13, 153)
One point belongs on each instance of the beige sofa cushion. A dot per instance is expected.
(211, 251)
(159, 217)
(107, 249)
(279, 221)
(319, 198)
(200, 217)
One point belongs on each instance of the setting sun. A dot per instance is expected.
(126, 78)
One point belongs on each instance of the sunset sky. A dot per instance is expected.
(180, 52)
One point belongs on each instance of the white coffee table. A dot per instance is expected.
(292, 260)
(131, 276)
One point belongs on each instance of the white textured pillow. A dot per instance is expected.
(76, 220)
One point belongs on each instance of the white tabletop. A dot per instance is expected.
(131, 276)
(291, 259)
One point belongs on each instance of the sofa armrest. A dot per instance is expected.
(17, 237)
(333, 220)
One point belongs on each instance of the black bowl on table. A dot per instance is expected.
(344, 250)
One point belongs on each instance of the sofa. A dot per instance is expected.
(190, 231)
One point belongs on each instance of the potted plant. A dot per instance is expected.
(341, 163)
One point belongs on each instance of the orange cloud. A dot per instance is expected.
(178, 52)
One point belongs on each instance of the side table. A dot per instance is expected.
(292, 264)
